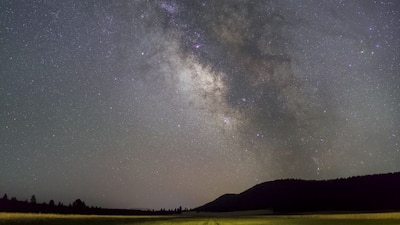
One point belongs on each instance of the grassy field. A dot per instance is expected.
(340, 219)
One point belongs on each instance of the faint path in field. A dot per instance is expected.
(210, 222)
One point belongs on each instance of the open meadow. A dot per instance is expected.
(342, 219)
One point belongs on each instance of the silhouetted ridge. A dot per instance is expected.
(364, 193)
(226, 197)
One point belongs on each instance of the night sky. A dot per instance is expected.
(163, 103)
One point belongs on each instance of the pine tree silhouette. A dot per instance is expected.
(33, 199)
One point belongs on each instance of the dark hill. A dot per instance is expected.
(364, 193)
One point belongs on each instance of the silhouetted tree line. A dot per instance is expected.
(361, 193)
(77, 207)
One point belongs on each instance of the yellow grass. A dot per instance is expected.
(221, 219)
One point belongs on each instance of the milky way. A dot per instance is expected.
(151, 104)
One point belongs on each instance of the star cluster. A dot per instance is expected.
(151, 104)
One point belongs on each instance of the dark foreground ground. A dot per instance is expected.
(200, 219)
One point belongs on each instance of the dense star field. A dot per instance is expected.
(162, 103)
